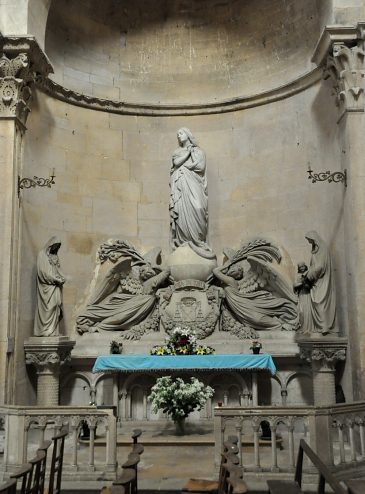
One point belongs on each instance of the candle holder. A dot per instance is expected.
(334, 177)
(27, 183)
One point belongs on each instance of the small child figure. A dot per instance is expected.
(302, 287)
(302, 284)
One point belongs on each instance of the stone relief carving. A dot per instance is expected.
(190, 303)
(136, 299)
(189, 196)
(126, 297)
(50, 281)
(256, 296)
(316, 290)
(346, 68)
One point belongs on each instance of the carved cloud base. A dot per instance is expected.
(323, 354)
(47, 355)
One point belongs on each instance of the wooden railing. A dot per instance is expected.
(27, 427)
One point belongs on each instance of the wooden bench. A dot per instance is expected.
(295, 486)
(230, 478)
(9, 487)
(355, 486)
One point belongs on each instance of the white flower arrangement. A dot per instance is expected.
(178, 398)
(182, 341)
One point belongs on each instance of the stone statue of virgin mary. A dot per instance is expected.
(189, 196)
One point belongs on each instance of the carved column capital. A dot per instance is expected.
(48, 353)
(21, 62)
(341, 52)
(325, 352)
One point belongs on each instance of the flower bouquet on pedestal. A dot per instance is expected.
(178, 398)
(182, 341)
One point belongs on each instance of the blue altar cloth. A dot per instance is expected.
(135, 363)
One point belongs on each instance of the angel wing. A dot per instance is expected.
(110, 282)
(267, 275)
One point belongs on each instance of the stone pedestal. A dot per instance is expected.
(323, 354)
(48, 354)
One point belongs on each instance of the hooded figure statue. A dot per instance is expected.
(50, 281)
(323, 291)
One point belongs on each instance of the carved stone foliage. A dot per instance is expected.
(43, 358)
(322, 354)
(21, 61)
(345, 66)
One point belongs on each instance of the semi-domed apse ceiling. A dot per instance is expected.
(179, 51)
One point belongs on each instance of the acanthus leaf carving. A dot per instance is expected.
(345, 66)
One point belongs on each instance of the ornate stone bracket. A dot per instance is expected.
(323, 354)
(21, 62)
(341, 52)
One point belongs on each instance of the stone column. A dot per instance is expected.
(323, 354)
(341, 52)
(21, 62)
(47, 355)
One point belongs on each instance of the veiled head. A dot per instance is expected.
(184, 135)
(53, 245)
(314, 239)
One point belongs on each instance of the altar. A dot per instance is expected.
(142, 363)
(193, 363)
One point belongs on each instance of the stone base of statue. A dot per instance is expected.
(186, 264)
(323, 353)
(189, 302)
(47, 354)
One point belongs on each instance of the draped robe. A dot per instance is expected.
(189, 202)
(49, 292)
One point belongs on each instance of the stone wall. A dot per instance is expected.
(192, 52)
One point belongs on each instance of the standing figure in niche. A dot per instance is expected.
(189, 196)
(323, 291)
(131, 303)
(253, 306)
(50, 281)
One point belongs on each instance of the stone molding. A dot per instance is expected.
(21, 62)
(341, 52)
(61, 93)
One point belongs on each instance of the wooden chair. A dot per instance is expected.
(295, 486)
(55, 474)
(355, 486)
(229, 459)
(23, 474)
(42, 474)
(9, 487)
(38, 466)
(137, 447)
(126, 480)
